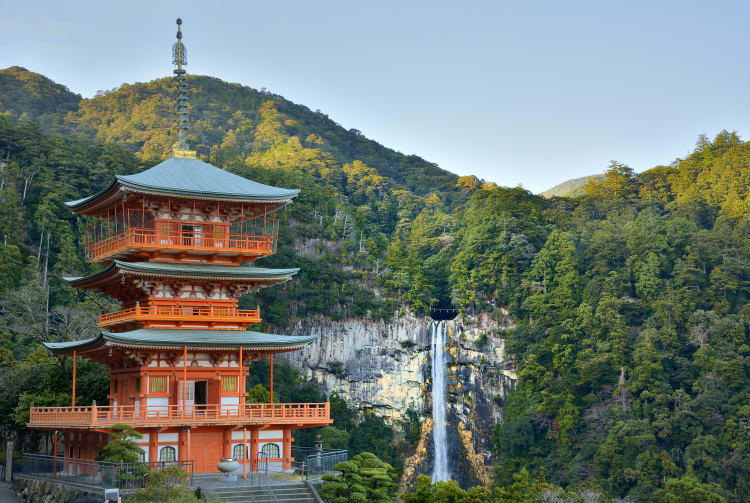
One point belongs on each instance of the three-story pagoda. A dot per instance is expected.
(178, 244)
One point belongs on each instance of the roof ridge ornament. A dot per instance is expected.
(179, 58)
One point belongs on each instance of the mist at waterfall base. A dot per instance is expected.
(439, 436)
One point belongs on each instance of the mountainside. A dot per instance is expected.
(614, 332)
(570, 188)
(230, 124)
(28, 95)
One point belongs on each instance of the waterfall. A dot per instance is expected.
(437, 333)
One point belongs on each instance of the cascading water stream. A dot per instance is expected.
(440, 470)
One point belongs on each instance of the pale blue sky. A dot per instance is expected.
(513, 92)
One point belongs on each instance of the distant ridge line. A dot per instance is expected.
(570, 188)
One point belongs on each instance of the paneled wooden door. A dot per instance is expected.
(205, 450)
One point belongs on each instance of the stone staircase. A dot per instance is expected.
(286, 493)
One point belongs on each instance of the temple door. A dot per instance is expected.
(205, 450)
(198, 235)
(189, 396)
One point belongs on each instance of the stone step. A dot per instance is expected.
(253, 493)
(301, 485)
(260, 498)
(277, 490)
(257, 498)
(288, 493)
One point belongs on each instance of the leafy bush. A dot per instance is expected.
(363, 479)
(170, 484)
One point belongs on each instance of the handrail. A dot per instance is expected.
(320, 463)
(192, 413)
(160, 239)
(178, 311)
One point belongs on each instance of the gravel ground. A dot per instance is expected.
(6, 494)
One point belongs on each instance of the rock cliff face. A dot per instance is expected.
(384, 367)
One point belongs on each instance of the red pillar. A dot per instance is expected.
(187, 446)
(287, 448)
(153, 447)
(270, 358)
(70, 450)
(182, 442)
(226, 437)
(244, 453)
(240, 388)
(254, 450)
(54, 455)
(75, 361)
(184, 380)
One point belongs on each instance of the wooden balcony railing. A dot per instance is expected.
(176, 312)
(252, 413)
(140, 238)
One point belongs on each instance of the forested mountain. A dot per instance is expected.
(29, 96)
(229, 122)
(631, 302)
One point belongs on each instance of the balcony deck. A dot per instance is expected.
(181, 313)
(305, 415)
(151, 241)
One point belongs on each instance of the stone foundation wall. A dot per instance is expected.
(32, 490)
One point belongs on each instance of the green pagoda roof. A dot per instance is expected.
(192, 178)
(193, 339)
(241, 272)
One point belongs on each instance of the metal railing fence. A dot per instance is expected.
(320, 463)
(95, 473)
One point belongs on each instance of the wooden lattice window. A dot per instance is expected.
(229, 383)
(270, 450)
(167, 229)
(158, 384)
(238, 451)
(137, 384)
(167, 453)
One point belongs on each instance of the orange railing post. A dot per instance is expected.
(240, 382)
(54, 454)
(175, 311)
(146, 415)
(270, 357)
(263, 243)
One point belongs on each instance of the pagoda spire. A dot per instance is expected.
(179, 58)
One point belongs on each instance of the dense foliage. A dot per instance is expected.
(29, 96)
(122, 446)
(632, 333)
(630, 302)
(362, 479)
(170, 484)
